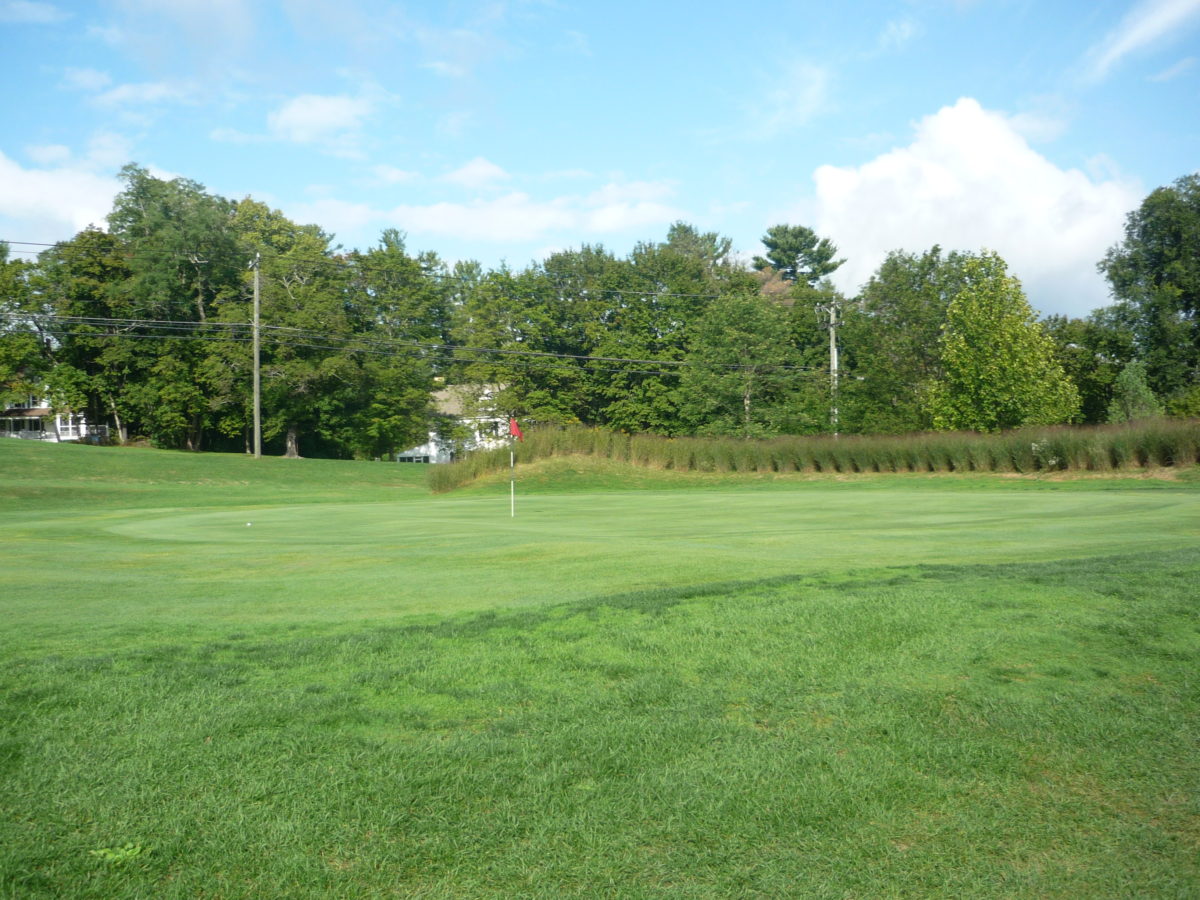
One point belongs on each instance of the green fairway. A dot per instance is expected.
(396, 551)
(310, 678)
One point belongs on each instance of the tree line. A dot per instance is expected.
(144, 325)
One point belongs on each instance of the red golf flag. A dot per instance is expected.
(515, 430)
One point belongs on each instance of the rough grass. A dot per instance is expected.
(680, 702)
(1148, 443)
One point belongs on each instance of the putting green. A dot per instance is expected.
(331, 562)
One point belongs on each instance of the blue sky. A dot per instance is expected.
(504, 130)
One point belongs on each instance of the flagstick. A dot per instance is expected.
(512, 481)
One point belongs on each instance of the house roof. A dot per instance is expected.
(26, 412)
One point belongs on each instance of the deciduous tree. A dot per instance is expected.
(1155, 277)
(998, 364)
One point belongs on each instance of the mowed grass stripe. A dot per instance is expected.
(963, 731)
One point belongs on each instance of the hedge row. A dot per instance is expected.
(1155, 442)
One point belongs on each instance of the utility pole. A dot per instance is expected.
(832, 308)
(257, 374)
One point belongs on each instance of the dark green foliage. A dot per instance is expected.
(742, 376)
(678, 338)
(797, 254)
(176, 260)
(1155, 277)
(891, 337)
(1092, 352)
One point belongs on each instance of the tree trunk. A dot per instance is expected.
(293, 443)
(746, 406)
(122, 436)
(195, 434)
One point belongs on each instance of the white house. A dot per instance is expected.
(470, 410)
(33, 419)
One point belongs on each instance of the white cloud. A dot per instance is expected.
(109, 34)
(27, 12)
(624, 192)
(145, 94)
(312, 118)
(224, 20)
(518, 217)
(1043, 117)
(1174, 71)
(198, 35)
(454, 124)
(897, 33)
(48, 154)
(233, 136)
(108, 150)
(85, 79)
(52, 204)
(794, 97)
(478, 173)
(392, 175)
(568, 173)
(514, 217)
(1148, 23)
(337, 216)
(969, 180)
(446, 69)
(457, 52)
(576, 43)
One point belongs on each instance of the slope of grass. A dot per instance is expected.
(885, 687)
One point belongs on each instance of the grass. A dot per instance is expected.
(1146, 443)
(648, 684)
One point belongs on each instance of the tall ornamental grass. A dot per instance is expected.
(1145, 444)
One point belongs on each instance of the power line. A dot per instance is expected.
(585, 367)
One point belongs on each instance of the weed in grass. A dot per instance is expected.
(116, 856)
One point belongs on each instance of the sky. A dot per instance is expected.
(504, 130)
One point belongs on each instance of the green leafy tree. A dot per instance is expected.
(22, 357)
(810, 399)
(98, 367)
(1092, 352)
(797, 254)
(740, 376)
(184, 262)
(1185, 404)
(404, 300)
(510, 329)
(998, 364)
(1154, 274)
(891, 335)
(661, 293)
(711, 248)
(184, 252)
(1132, 397)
